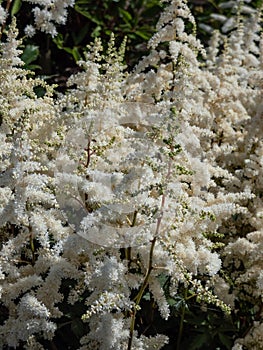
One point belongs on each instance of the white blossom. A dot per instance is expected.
(2, 15)
(130, 177)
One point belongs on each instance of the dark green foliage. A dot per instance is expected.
(135, 20)
(132, 19)
(70, 327)
(191, 326)
(29, 56)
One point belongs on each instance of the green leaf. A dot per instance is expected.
(127, 17)
(59, 41)
(16, 7)
(143, 35)
(176, 303)
(68, 50)
(125, 28)
(33, 67)
(147, 296)
(96, 32)
(163, 278)
(87, 14)
(76, 54)
(132, 36)
(108, 32)
(30, 54)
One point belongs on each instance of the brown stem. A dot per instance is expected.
(141, 292)
(150, 267)
(128, 251)
(32, 247)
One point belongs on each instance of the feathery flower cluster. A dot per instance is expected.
(47, 15)
(129, 178)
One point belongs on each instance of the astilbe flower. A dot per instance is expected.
(236, 112)
(124, 179)
(132, 173)
(48, 14)
(32, 231)
(229, 10)
(2, 15)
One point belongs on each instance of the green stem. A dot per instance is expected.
(181, 325)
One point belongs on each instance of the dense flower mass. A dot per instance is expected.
(131, 185)
(47, 15)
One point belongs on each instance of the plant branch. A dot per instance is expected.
(150, 266)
